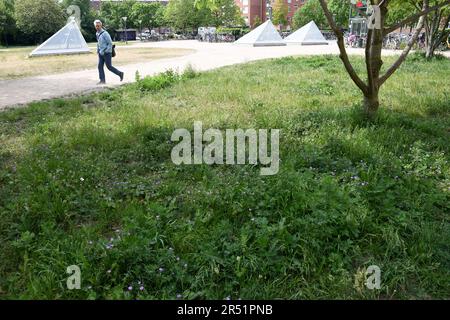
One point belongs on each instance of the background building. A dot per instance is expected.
(251, 9)
(259, 9)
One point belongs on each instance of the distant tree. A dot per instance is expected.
(280, 13)
(225, 13)
(161, 16)
(147, 15)
(257, 22)
(7, 21)
(340, 10)
(399, 10)
(221, 12)
(311, 10)
(186, 15)
(112, 12)
(39, 19)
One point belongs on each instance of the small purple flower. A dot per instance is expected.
(141, 288)
(185, 265)
(130, 288)
(179, 296)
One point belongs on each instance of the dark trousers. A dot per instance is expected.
(106, 59)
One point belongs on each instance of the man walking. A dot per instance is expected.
(104, 50)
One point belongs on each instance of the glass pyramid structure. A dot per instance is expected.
(264, 35)
(68, 40)
(306, 35)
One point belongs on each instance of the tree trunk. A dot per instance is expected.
(429, 52)
(374, 63)
(371, 104)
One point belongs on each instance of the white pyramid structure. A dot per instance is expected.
(68, 40)
(306, 35)
(264, 35)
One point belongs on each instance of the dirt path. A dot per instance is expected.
(207, 56)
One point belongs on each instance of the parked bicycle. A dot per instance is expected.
(354, 41)
(397, 41)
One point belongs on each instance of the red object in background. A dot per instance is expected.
(359, 4)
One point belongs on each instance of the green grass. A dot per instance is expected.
(78, 173)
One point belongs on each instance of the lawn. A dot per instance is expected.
(89, 181)
(16, 63)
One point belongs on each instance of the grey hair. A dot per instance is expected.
(97, 21)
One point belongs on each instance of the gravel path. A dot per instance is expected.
(207, 56)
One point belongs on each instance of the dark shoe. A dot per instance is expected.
(101, 82)
(121, 76)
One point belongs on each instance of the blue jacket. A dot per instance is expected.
(104, 42)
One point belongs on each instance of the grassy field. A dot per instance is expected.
(16, 63)
(89, 182)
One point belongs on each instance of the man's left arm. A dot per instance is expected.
(101, 44)
(109, 42)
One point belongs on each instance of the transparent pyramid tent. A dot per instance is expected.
(68, 40)
(306, 35)
(264, 35)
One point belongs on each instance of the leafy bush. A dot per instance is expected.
(163, 80)
(158, 82)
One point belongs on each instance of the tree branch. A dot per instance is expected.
(414, 17)
(344, 57)
(370, 77)
(406, 51)
(444, 32)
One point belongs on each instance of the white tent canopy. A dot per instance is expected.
(68, 40)
(264, 35)
(308, 34)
